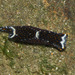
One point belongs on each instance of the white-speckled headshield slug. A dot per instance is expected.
(33, 35)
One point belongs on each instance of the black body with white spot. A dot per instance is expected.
(33, 35)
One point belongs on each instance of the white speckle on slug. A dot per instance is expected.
(47, 41)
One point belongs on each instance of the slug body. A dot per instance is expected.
(33, 35)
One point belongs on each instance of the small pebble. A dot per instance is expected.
(59, 60)
(56, 68)
(8, 51)
(49, 73)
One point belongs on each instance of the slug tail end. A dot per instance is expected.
(63, 41)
